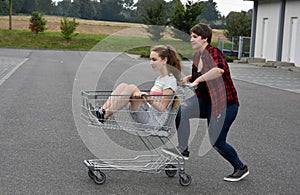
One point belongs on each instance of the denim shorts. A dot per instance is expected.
(141, 115)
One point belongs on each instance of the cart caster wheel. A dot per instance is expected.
(91, 174)
(98, 177)
(185, 179)
(170, 170)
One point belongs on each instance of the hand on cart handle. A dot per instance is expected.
(185, 82)
(139, 95)
(148, 98)
(188, 85)
(143, 95)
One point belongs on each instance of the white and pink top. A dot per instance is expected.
(162, 83)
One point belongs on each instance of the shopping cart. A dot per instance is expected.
(154, 162)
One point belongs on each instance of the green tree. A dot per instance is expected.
(238, 24)
(111, 10)
(128, 4)
(45, 6)
(129, 12)
(153, 12)
(210, 13)
(29, 6)
(98, 14)
(17, 6)
(68, 28)
(185, 16)
(87, 9)
(63, 7)
(4, 7)
(74, 10)
(37, 23)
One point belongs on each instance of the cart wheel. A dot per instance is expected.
(99, 177)
(185, 179)
(170, 170)
(91, 174)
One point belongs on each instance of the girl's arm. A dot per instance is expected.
(187, 78)
(162, 104)
(210, 75)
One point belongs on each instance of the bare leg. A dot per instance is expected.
(123, 96)
(119, 90)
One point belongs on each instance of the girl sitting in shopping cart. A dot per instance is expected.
(147, 108)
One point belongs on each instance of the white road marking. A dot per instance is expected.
(2, 80)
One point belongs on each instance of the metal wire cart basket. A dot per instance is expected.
(124, 120)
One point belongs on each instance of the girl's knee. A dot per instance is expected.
(133, 86)
(124, 88)
(123, 85)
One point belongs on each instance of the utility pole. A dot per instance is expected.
(10, 14)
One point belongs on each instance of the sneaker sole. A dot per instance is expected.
(175, 155)
(236, 179)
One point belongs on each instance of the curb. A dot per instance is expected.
(270, 64)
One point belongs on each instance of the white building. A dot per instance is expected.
(276, 30)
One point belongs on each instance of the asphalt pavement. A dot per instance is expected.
(43, 145)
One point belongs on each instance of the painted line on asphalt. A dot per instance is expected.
(2, 80)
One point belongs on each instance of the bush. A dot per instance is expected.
(230, 58)
(37, 23)
(68, 28)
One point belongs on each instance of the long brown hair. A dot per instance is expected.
(174, 60)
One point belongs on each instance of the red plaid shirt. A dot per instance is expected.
(221, 91)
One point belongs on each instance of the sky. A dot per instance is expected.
(226, 6)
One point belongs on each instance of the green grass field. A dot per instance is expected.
(93, 35)
(49, 40)
(54, 40)
(86, 42)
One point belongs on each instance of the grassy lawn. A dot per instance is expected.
(86, 42)
(49, 40)
(141, 45)
(54, 40)
(92, 35)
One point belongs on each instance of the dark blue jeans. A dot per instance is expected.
(218, 127)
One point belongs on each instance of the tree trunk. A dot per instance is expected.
(10, 14)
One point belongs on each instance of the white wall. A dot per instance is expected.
(291, 12)
(267, 10)
(270, 10)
